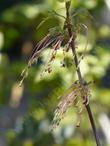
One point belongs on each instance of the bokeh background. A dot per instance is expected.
(26, 112)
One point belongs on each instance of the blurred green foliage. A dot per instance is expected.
(26, 115)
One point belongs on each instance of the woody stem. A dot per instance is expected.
(71, 33)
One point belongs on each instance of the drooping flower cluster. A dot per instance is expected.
(71, 99)
(54, 39)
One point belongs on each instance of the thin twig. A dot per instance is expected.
(68, 23)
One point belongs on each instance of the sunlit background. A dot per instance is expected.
(26, 112)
